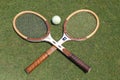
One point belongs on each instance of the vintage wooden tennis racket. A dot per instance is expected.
(78, 26)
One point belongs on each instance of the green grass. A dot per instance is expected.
(101, 52)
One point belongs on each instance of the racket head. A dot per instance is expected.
(31, 26)
(81, 25)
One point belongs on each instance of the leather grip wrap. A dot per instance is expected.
(42, 58)
(77, 61)
(32, 66)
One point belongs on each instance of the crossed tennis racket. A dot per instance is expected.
(78, 26)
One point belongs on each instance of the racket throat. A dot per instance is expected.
(63, 39)
(52, 41)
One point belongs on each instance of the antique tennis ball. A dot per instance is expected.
(56, 19)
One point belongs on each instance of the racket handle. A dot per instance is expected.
(38, 61)
(77, 61)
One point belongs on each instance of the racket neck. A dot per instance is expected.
(53, 42)
(64, 39)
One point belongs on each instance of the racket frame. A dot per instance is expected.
(88, 36)
(24, 36)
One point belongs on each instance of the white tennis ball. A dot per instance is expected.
(56, 19)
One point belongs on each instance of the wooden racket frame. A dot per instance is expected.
(91, 34)
(28, 38)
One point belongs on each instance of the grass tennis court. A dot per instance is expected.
(101, 52)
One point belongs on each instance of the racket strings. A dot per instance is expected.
(81, 25)
(31, 25)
